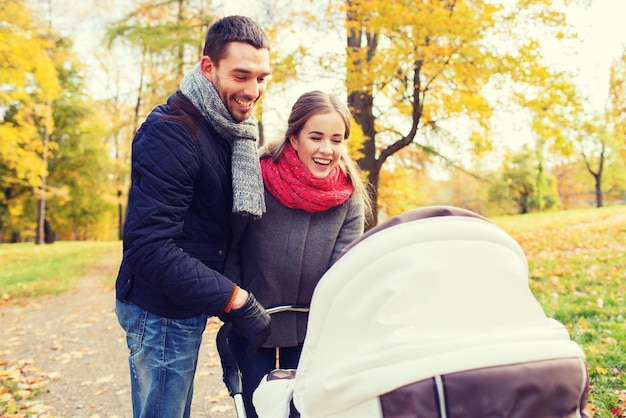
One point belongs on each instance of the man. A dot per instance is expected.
(194, 161)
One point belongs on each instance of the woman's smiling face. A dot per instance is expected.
(320, 143)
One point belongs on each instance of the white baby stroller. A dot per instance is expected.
(429, 315)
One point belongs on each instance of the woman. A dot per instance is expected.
(316, 206)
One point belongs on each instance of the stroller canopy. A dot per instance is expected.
(435, 291)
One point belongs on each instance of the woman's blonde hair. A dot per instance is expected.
(310, 104)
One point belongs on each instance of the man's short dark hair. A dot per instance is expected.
(233, 29)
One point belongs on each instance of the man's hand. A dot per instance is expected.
(250, 319)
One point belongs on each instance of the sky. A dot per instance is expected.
(603, 38)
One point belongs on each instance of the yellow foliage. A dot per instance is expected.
(29, 84)
(427, 62)
(617, 98)
(404, 188)
(355, 142)
(19, 153)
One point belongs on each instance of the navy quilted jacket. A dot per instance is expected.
(177, 230)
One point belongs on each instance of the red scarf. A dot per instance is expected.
(293, 184)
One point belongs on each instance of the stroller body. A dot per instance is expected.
(430, 315)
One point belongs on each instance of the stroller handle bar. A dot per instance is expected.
(287, 308)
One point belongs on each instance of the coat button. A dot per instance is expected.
(220, 252)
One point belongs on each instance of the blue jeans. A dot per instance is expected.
(163, 359)
(253, 368)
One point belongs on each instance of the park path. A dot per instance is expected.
(75, 341)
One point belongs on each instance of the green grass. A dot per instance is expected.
(32, 270)
(577, 265)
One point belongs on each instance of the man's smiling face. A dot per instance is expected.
(240, 77)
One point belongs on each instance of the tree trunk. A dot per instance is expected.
(261, 134)
(41, 213)
(120, 216)
(41, 201)
(49, 235)
(361, 90)
(597, 175)
(599, 202)
(361, 103)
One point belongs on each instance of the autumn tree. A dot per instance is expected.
(28, 86)
(573, 183)
(119, 120)
(593, 138)
(520, 187)
(430, 73)
(164, 38)
(404, 185)
(54, 166)
(601, 138)
(82, 196)
(516, 186)
(617, 103)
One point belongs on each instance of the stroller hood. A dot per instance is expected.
(429, 293)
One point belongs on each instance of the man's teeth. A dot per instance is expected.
(244, 104)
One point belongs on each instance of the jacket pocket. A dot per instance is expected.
(211, 255)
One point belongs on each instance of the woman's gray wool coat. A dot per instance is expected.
(281, 256)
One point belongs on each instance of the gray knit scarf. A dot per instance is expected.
(248, 195)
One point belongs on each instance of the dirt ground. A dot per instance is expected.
(74, 339)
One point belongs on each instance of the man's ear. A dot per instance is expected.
(207, 67)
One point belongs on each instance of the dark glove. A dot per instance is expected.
(252, 322)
